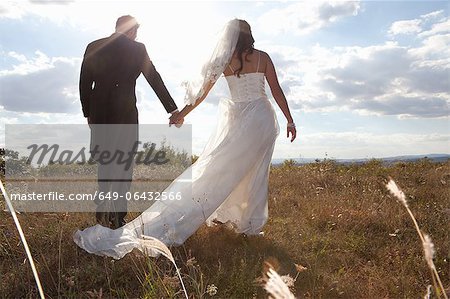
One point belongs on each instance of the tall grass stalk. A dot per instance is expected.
(59, 259)
(427, 244)
(24, 240)
(154, 245)
(276, 287)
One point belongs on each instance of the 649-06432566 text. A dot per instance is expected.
(101, 196)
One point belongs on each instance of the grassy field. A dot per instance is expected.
(338, 221)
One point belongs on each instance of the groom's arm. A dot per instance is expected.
(156, 82)
(86, 80)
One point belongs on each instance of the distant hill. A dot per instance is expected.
(405, 158)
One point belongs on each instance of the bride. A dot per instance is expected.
(229, 182)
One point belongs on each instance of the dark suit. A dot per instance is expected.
(107, 91)
(113, 64)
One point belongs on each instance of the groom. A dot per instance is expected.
(108, 76)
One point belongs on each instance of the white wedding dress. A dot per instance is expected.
(229, 180)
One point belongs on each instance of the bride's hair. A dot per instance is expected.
(244, 44)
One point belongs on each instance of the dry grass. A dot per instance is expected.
(338, 221)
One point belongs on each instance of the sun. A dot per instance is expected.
(181, 32)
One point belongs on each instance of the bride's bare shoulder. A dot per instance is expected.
(260, 51)
(265, 58)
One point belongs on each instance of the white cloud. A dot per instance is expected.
(406, 27)
(11, 10)
(38, 63)
(40, 84)
(419, 26)
(307, 16)
(432, 15)
(386, 79)
(405, 106)
(57, 11)
(438, 28)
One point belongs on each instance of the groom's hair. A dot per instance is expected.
(126, 23)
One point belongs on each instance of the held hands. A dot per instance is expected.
(176, 119)
(291, 129)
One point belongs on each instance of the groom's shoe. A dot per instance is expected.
(102, 218)
(116, 220)
(101, 215)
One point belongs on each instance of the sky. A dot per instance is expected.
(363, 79)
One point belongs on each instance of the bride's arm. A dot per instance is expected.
(279, 96)
(188, 108)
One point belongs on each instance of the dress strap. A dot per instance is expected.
(259, 58)
(231, 68)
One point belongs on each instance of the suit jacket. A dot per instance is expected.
(108, 79)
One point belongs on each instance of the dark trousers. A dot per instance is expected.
(114, 148)
(114, 184)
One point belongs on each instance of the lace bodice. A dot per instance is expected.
(248, 87)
